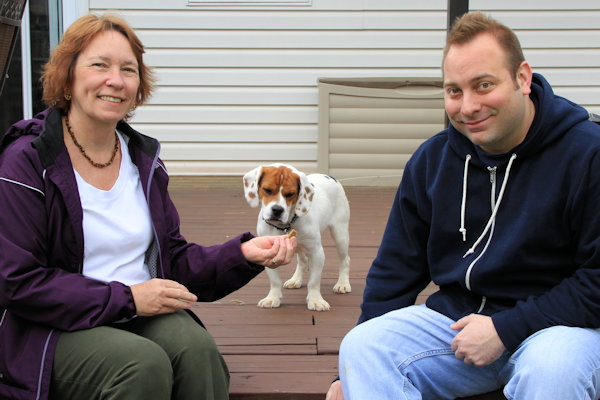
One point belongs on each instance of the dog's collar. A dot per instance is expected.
(285, 230)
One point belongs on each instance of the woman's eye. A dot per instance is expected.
(485, 85)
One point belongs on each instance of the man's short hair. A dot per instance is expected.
(473, 24)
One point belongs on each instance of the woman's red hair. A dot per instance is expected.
(58, 72)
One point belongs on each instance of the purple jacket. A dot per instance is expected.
(42, 290)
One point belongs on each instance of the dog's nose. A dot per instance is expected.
(277, 211)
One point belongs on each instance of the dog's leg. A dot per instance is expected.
(295, 282)
(316, 260)
(273, 299)
(342, 243)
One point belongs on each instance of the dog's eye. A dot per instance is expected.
(290, 195)
(268, 191)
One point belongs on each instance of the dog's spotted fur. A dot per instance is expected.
(291, 200)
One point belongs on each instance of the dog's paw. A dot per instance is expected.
(342, 288)
(269, 302)
(293, 283)
(318, 305)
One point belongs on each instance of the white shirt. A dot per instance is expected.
(117, 229)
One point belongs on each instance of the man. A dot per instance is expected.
(502, 212)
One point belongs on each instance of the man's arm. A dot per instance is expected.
(575, 301)
(399, 272)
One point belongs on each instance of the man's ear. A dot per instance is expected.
(524, 77)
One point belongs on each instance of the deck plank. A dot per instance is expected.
(271, 349)
(251, 386)
(287, 353)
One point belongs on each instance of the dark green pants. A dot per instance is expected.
(159, 358)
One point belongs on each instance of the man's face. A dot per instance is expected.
(483, 100)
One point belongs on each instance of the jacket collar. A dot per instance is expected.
(49, 143)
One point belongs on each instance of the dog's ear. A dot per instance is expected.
(306, 195)
(251, 180)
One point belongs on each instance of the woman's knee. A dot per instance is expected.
(191, 338)
(109, 362)
(137, 356)
(151, 357)
(145, 368)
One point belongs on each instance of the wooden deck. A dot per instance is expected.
(288, 353)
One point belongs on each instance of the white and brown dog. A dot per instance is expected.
(289, 199)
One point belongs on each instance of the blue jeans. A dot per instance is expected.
(406, 354)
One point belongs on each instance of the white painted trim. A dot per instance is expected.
(83, 7)
(26, 64)
(249, 2)
(72, 10)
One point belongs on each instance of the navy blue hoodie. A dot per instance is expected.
(538, 262)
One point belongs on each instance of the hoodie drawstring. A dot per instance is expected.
(495, 211)
(463, 206)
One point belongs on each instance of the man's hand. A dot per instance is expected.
(161, 296)
(478, 343)
(335, 391)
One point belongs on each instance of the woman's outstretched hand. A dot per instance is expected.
(270, 251)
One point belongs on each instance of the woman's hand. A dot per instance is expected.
(269, 251)
(161, 296)
(335, 391)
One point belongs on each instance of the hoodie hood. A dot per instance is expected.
(554, 116)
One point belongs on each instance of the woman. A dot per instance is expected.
(96, 279)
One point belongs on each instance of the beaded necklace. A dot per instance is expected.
(95, 164)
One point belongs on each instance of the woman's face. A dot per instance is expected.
(106, 81)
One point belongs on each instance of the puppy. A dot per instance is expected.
(291, 200)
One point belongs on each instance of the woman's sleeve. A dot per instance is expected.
(38, 278)
(210, 272)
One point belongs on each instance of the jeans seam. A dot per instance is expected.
(425, 354)
(590, 383)
(416, 357)
(497, 374)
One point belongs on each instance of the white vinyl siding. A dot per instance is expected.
(238, 84)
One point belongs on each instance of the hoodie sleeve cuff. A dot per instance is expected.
(511, 328)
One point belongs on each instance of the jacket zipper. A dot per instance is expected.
(155, 164)
(492, 171)
(39, 391)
